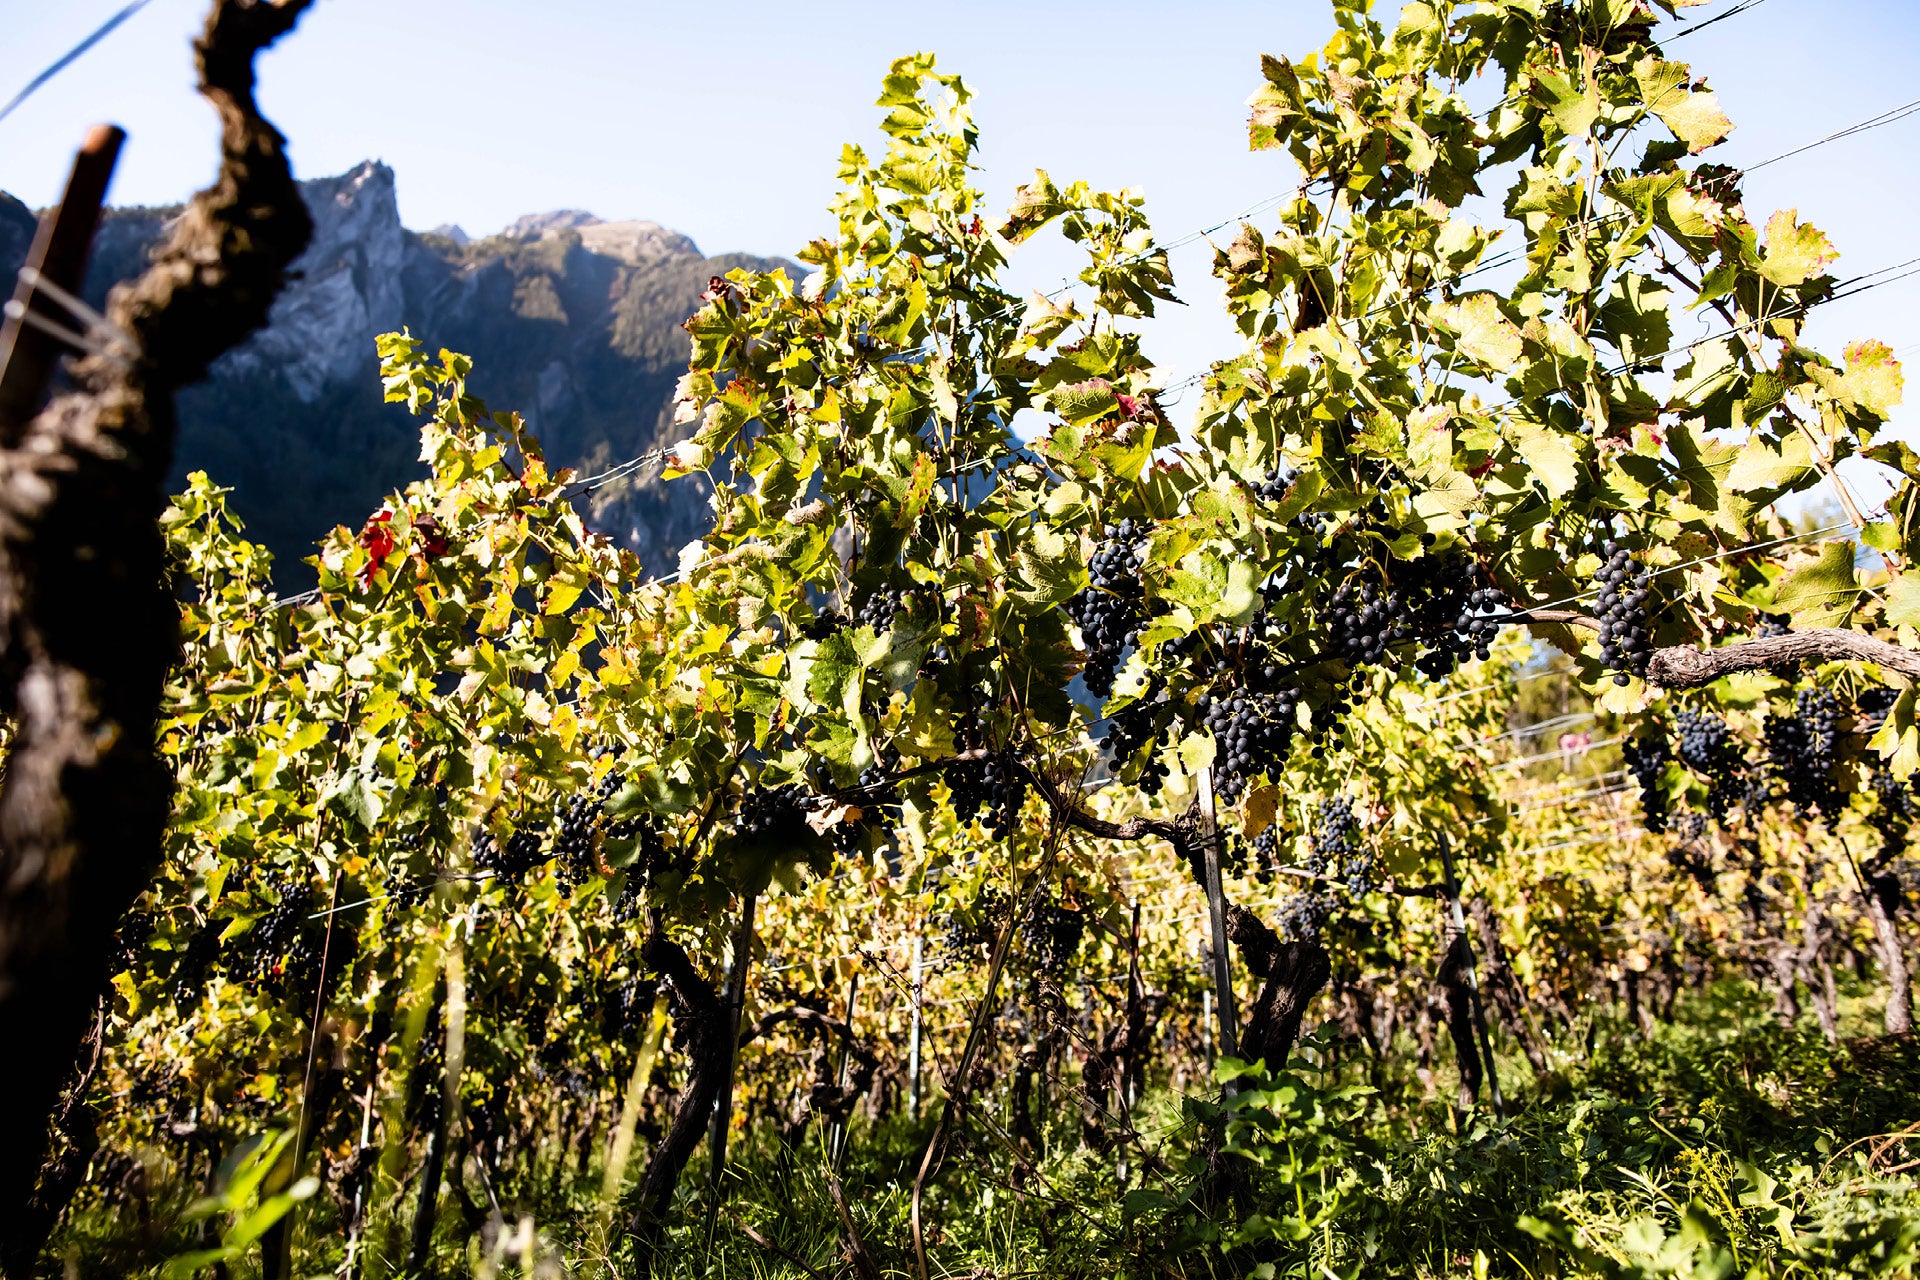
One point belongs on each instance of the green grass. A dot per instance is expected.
(1721, 1145)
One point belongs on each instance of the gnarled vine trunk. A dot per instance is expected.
(703, 1016)
(88, 627)
(1504, 988)
(1817, 971)
(828, 1097)
(1293, 974)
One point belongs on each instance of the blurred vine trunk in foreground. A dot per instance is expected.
(88, 626)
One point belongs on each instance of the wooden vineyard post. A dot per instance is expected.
(913, 1033)
(1473, 977)
(1206, 1023)
(837, 1147)
(1136, 1017)
(59, 256)
(1217, 921)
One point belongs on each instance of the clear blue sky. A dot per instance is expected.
(725, 122)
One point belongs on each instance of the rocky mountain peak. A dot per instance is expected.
(534, 226)
(347, 287)
(634, 243)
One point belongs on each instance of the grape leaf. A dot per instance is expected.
(1481, 332)
(1822, 591)
(1795, 250)
(1693, 115)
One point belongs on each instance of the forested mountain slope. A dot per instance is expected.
(574, 318)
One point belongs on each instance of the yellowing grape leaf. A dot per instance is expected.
(1873, 382)
(1693, 115)
(1257, 814)
(1796, 251)
(1480, 331)
(1549, 455)
(1765, 464)
(1574, 107)
(1903, 601)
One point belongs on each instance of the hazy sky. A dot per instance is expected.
(725, 122)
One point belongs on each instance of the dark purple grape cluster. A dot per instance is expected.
(1893, 817)
(1773, 624)
(650, 859)
(195, 965)
(1005, 784)
(1052, 934)
(406, 894)
(1361, 622)
(877, 609)
(966, 778)
(1138, 727)
(880, 793)
(1336, 849)
(966, 929)
(1479, 622)
(990, 788)
(266, 945)
(1871, 706)
(130, 941)
(1753, 790)
(508, 863)
(1233, 853)
(967, 788)
(1266, 854)
(1803, 749)
(878, 802)
(625, 1007)
(1705, 740)
(993, 783)
(770, 813)
(1446, 603)
(575, 852)
(1252, 735)
(1441, 601)
(1327, 717)
(1625, 645)
(633, 897)
(316, 964)
(1708, 747)
(1359, 873)
(1303, 915)
(1111, 610)
(1273, 487)
(1647, 757)
(824, 624)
